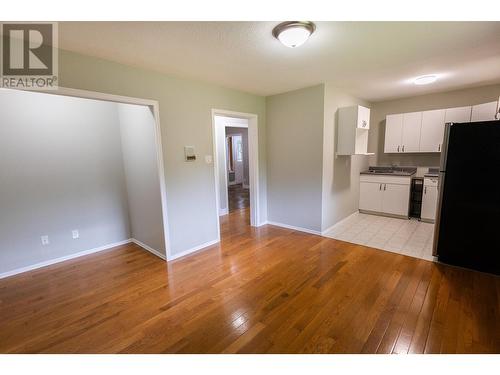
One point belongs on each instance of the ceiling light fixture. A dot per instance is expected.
(425, 80)
(294, 33)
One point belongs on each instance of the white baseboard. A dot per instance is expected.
(300, 229)
(194, 249)
(223, 211)
(338, 223)
(62, 259)
(149, 248)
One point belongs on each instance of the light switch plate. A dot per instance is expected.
(45, 240)
(75, 234)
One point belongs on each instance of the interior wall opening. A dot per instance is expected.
(236, 165)
(78, 175)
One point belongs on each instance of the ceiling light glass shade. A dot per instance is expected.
(425, 80)
(295, 33)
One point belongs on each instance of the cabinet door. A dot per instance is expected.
(432, 131)
(363, 118)
(484, 112)
(412, 124)
(459, 114)
(370, 196)
(396, 199)
(393, 133)
(429, 203)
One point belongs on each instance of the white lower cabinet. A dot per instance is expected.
(429, 199)
(370, 196)
(396, 199)
(385, 194)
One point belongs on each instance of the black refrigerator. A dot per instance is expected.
(467, 230)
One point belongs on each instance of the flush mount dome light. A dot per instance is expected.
(294, 33)
(425, 80)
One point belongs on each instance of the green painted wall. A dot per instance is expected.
(185, 115)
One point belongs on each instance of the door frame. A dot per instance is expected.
(253, 163)
(155, 107)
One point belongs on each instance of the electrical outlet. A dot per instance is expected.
(75, 234)
(45, 240)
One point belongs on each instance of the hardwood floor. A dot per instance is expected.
(263, 290)
(238, 197)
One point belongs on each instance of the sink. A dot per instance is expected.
(391, 170)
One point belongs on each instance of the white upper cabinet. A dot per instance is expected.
(412, 124)
(402, 132)
(353, 126)
(393, 133)
(432, 133)
(484, 112)
(363, 117)
(459, 114)
(424, 131)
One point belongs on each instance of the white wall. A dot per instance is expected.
(308, 187)
(61, 169)
(137, 128)
(341, 174)
(295, 123)
(220, 133)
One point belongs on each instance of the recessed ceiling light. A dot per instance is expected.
(294, 33)
(425, 80)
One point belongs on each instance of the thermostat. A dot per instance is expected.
(189, 153)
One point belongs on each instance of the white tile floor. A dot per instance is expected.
(408, 237)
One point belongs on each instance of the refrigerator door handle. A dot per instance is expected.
(441, 182)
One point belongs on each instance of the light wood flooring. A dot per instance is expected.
(262, 290)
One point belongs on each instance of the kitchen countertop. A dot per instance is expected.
(390, 171)
(433, 172)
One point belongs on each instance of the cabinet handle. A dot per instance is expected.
(385, 186)
(403, 148)
(398, 148)
(425, 190)
(439, 147)
(380, 186)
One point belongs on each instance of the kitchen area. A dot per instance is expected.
(400, 205)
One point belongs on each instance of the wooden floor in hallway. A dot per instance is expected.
(262, 290)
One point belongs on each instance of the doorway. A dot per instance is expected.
(236, 163)
(237, 171)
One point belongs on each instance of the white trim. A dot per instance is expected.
(300, 229)
(245, 186)
(66, 91)
(77, 93)
(195, 249)
(253, 162)
(223, 211)
(338, 223)
(149, 248)
(64, 258)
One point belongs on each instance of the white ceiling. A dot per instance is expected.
(372, 60)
